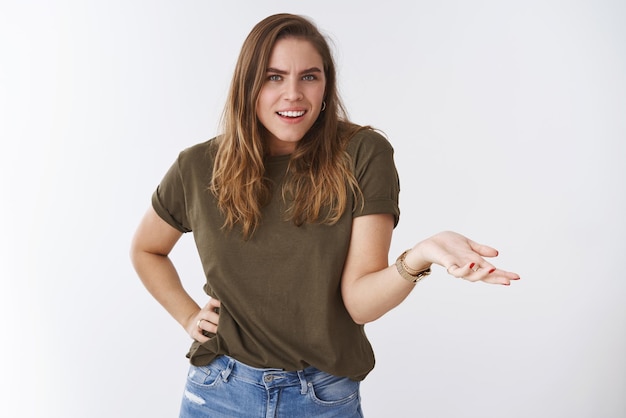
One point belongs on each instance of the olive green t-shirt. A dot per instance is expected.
(281, 304)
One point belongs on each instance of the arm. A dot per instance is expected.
(370, 288)
(151, 245)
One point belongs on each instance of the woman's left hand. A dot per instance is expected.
(461, 257)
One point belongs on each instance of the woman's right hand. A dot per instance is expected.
(205, 321)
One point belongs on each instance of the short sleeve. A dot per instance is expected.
(169, 202)
(375, 171)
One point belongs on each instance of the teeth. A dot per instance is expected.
(291, 113)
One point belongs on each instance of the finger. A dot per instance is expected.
(204, 324)
(483, 250)
(475, 272)
(213, 305)
(462, 272)
(482, 267)
(206, 328)
(199, 333)
(211, 311)
(209, 327)
(501, 277)
(200, 325)
(495, 280)
(472, 271)
(483, 270)
(452, 268)
(209, 315)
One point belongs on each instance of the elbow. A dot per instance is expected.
(138, 255)
(134, 252)
(362, 306)
(361, 316)
(362, 319)
(358, 310)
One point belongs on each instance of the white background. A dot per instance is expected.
(508, 121)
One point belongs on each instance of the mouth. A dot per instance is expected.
(291, 113)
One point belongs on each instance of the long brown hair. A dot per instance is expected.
(320, 175)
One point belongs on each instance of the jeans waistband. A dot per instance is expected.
(269, 378)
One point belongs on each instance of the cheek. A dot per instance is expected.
(261, 106)
(317, 94)
(264, 102)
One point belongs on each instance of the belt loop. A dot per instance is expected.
(229, 368)
(303, 383)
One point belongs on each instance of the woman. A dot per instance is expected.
(292, 209)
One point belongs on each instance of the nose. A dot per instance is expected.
(293, 91)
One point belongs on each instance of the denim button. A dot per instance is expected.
(268, 378)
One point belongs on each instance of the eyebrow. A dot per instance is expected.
(307, 71)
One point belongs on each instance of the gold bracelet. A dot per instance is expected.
(408, 273)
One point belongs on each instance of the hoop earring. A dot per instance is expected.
(323, 105)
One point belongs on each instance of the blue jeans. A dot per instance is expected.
(227, 388)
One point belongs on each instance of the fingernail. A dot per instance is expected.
(472, 265)
(491, 271)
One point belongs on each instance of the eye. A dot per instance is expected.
(274, 77)
(309, 77)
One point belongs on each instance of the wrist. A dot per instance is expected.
(409, 273)
(414, 260)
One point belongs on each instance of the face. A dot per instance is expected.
(291, 97)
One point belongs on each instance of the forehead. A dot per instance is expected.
(294, 52)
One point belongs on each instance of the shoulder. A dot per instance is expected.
(198, 154)
(368, 141)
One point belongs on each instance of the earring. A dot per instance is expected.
(323, 105)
